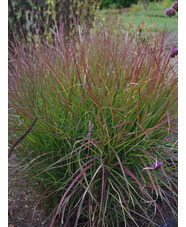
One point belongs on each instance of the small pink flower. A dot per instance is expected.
(174, 52)
(170, 12)
(175, 6)
(157, 164)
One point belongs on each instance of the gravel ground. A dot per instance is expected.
(171, 39)
(21, 214)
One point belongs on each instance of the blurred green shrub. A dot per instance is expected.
(117, 3)
(37, 17)
(148, 3)
(127, 3)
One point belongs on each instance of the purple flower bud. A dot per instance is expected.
(173, 52)
(170, 12)
(175, 6)
(157, 164)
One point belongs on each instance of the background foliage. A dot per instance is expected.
(37, 17)
(117, 3)
(128, 3)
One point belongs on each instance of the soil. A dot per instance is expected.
(171, 39)
(20, 212)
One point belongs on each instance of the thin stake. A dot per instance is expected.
(22, 137)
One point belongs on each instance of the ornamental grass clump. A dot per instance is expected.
(106, 111)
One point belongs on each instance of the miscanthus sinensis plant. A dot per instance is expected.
(104, 148)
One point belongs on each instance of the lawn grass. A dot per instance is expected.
(150, 20)
(150, 23)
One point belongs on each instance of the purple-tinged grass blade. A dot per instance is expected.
(76, 193)
(127, 183)
(124, 123)
(85, 164)
(90, 210)
(169, 129)
(34, 210)
(68, 189)
(54, 74)
(147, 153)
(91, 125)
(133, 176)
(168, 121)
(17, 199)
(94, 97)
(68, 218)
(102, 191)
(66, 104)
(151, 179)
(170, 154)
(83, 197)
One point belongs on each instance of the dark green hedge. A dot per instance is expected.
(117, 3)
(121, 3)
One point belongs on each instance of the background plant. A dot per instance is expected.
(117, 3)
(38, 17)
(127, 3)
